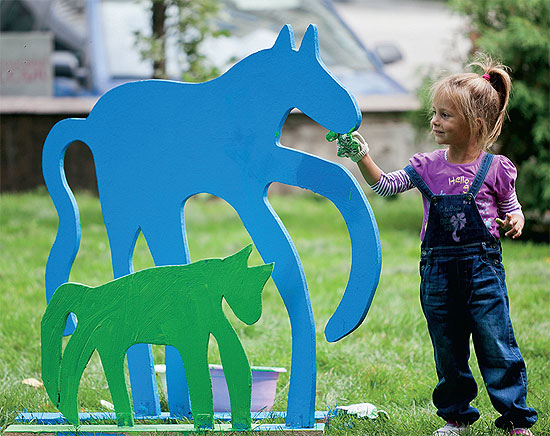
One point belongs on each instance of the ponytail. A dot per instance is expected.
(499, 79)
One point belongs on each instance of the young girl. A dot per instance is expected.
(463, 293)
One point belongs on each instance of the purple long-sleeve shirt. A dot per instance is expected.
(496, 197)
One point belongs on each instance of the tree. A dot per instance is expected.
(187, 23)
(517, 34)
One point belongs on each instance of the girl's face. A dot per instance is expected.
(448, 126)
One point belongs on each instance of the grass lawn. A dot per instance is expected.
(387, 362)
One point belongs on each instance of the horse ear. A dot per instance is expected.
(310, 41)
(285, 40)
(241, 256)
(267, 269)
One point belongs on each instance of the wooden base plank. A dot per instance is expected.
(51, 418)
(151, 429)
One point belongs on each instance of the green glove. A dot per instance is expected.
(351, 145)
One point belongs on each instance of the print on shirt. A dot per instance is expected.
(485, 213)
(465, 181)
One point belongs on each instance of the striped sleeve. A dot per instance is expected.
(507, 200)
(392, 183)
(510, 205)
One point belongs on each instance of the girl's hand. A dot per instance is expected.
(513, 225)
(363, 148)
(351, 145)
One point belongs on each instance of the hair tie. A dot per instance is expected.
(487, 77)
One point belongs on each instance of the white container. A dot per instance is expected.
(264, 386)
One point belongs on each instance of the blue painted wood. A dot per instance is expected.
(57, 418)
(147, 140)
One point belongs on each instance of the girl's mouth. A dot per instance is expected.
(437, 132)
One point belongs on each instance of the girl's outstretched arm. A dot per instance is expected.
(370, 171)
(358, 152)
(381, 183)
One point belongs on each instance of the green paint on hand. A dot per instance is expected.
(347, 144)
(168, 305)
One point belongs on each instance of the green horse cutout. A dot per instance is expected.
(167, 305)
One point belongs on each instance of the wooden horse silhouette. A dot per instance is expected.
(168, 305)
(145, 138)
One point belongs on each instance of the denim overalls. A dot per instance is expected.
(463, 293)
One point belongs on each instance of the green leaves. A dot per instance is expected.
(517, 33)
(187, 23)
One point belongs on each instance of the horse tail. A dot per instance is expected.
(51, 334)
(67, 241)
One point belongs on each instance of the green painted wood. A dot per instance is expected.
(179, 306)
(32, 430)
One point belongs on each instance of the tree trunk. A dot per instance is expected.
(159, 34)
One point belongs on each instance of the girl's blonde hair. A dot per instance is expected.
(480, 99)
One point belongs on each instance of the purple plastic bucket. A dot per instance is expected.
(264, 387)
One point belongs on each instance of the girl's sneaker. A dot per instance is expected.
(450, 429)
(523, 431)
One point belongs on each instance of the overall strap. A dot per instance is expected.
(418, 182)
(481, 174)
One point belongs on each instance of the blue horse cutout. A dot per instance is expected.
(142, 137)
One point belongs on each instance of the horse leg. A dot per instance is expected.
(275, 245)
(237, 373)
(168, 245)
(336, 183)
(76, 356)
(194, 353)
(113, 366)
(122, 239)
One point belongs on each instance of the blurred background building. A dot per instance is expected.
(79, 49)
(94, 43)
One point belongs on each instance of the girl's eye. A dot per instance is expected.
(445, 115)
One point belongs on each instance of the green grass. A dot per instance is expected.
(387, 361)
